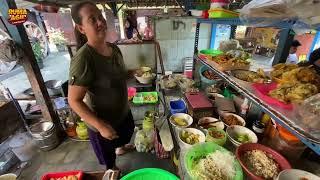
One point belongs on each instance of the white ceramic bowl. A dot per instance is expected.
(196, 13)
(145, 69)
(240, 119)
(296, 174)
(216, 95)
(183, 145)
(144, 80)
(218, 125)
(233, 131)
(8, 177)
(184, 116)
(212, 97)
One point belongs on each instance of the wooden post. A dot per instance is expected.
(30, 65)
(284, 45)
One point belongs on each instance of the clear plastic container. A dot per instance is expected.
(23, 146)
(291, 150)
(7, 160)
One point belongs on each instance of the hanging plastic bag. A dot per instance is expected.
(270, 12)
(144, 140)
(266, 9)
(229, 45)
(309, 112)
(159, 149)
(10, 51)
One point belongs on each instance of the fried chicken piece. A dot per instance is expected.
(306, 75)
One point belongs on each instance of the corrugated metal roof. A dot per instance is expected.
(129, 3)
(24, 4)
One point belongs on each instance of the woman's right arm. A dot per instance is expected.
(75, 99)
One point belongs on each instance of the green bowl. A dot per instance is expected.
(220, 141)
(199, 150)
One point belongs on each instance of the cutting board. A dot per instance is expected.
(198, 100)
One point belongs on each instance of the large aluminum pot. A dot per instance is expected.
(45, 135)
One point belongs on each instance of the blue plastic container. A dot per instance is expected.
(178, 106)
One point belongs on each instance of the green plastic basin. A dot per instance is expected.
(199, 150)
(211, 52)
(150, 173)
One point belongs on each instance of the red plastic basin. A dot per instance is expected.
(47, 176)
(282, 162)
(263, 90)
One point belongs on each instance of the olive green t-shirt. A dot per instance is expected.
(105, 78)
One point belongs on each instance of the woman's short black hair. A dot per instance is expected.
(81, 39)
(314, 56)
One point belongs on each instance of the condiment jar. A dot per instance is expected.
(258, 128)
(82, 131)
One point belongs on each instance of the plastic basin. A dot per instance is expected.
(150, 173)
(139, 98)
(278, 158)
(211, 52)
(263, 90)
(178, 106)
(285, 134)
(204, 79)
(203, 149)
(222, 13)
(48, 176)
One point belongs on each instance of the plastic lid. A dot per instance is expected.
(286, 135)
(17, 142)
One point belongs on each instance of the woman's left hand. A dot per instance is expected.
(108, 132)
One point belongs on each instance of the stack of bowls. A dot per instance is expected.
(235, 130)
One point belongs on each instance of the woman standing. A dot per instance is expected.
(98, 76)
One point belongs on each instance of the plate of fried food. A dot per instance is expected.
(293, 85)
(284, 95)
(293, 92)
(234, 59)
(251, 76)
(291, 73)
